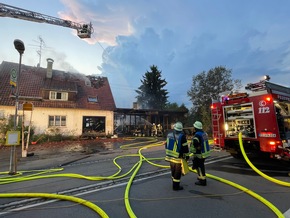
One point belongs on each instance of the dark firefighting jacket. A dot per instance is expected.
(200, 146)
(176, 147)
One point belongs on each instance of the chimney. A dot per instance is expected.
(49, 68)
(135, 105)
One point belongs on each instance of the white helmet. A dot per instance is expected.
(178, 126)
(197, 125)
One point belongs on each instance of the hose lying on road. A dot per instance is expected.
(57, 196)
(249, 192)
(127, 191)
(279, 182)
(235, 185)
(136, 168)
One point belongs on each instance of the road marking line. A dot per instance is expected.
(287, 213)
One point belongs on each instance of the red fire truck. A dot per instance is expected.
(262, 114)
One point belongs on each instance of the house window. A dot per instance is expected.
(57, 121)
(61, 96)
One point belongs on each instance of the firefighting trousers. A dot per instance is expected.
(198, 164)
(175, 173)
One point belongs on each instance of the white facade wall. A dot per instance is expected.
(74, 118)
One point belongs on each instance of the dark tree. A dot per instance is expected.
(151, 94)
(206, 86)
(172, 106)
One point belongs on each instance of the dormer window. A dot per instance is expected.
(93, 99)
(60, 96)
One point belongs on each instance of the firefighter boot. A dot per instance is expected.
(176, 186)
(201, 182)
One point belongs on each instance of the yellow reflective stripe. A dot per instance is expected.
(206, 154)
(185, 144)
(175, 180)
(203, 155)
(192, 148)
(198, 155)
(172, 153)
(173, 160)
(175, 146)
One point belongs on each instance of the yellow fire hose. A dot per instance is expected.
(279, 182)
(246, 190)
(126, 197)
(57, 196)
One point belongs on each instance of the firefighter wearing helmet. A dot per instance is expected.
(201, 150)
(176, 149)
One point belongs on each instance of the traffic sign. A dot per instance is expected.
(12, 138)
(27, 106)
(13, 77)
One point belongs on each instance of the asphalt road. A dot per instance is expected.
(86, 176)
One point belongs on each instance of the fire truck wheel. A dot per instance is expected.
(237, 155)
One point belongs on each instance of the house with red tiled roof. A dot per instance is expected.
(70, 103)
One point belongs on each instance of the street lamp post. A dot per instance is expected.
(19, 46)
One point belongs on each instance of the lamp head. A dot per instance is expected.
(19, 46)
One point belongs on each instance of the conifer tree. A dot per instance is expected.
(151, 94)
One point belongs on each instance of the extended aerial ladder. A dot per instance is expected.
(83, 30)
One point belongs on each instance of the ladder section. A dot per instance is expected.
(216, 128)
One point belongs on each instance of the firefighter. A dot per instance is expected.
(159, 129)
(201, 150)
(154, 130)
(176, 148)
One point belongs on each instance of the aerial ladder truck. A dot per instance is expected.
(83, 30)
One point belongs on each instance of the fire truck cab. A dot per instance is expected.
(262, 115)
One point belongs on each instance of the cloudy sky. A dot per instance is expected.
(181, 37)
